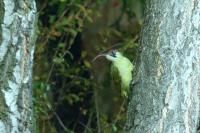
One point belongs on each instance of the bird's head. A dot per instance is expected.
(112, 55)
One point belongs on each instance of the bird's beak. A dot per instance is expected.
(99, 55)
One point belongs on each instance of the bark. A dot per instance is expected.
(166, 99)
(17, 38)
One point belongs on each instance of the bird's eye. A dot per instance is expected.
(113, 53)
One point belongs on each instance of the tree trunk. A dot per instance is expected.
(166, 99)
(18, 25)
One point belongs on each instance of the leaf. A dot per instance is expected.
(52, 19)
(87, 64)
(83, 54)
(58, 60)
(114, 128)
(48, 105)
(63, 22)
(70, 54)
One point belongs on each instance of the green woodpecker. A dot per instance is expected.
(123, 66)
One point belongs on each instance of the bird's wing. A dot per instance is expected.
(115, 74)
(117, 81)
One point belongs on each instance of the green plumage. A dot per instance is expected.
(124, 68)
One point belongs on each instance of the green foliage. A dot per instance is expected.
(72, 94)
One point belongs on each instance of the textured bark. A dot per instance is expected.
(17, 38)
(166, 99)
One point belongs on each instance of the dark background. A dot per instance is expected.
(72, 94)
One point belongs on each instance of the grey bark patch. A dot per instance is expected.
(16, 60)
(166, 100)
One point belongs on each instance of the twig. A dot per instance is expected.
(120, 111)
(97, 111)
(88, 123)
(60, 121)
(88, 129)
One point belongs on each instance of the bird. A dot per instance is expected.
(124, 67)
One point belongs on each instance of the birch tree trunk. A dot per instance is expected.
(166, 99)
(17, 38)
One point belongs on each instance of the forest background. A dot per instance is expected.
(72, 94)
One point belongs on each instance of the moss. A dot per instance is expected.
(1, 21)
(1, 17)
(7, 66)
(3, 108)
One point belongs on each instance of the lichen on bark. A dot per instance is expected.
(18, 28)
(166, 99)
